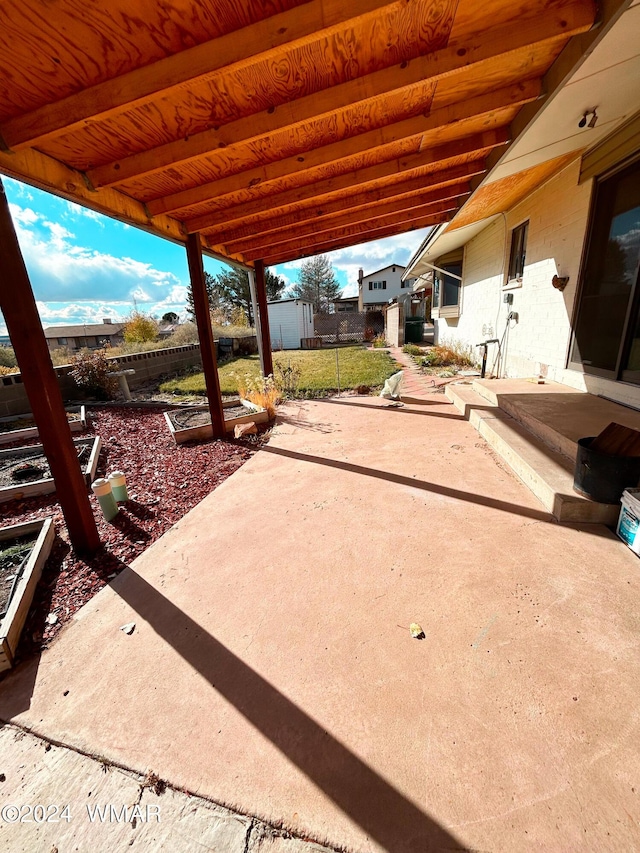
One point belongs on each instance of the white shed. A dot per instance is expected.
(290, 320)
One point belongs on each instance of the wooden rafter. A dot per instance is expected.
(399, 194)
(416, 204)
(458, 57)
(424, 163)
(279, 127)
(510, 96)
(347, 237)
(112, 97)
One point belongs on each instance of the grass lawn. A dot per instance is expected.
(358, 366)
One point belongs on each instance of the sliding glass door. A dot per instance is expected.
(607, 330)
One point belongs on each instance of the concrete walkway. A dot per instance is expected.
(272, 670)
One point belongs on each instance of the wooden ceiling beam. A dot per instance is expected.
(406, 205)
(469, 145)
(294, 28)
(343, 205)
(438, 211)
(452, 114)
(559, 24)
(351, 236)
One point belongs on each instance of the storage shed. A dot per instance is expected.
(290, 320)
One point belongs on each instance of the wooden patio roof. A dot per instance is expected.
(273, 129)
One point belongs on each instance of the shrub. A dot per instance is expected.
(7, 357)
(412, 349)
(90, 371)
(259, 390)
(239, 317)
(186, 333)
(448, 354)
(231, 331)
(131, 348)
(140, 328)
(380, 341)
(287, 379)
(369, 334)
(60, 356)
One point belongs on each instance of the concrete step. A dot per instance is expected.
(546, 472)
(532, 418)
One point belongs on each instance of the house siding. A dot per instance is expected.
(538, 343)
(392, 275)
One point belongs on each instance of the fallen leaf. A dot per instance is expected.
(416, 631)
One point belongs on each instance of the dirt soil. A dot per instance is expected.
(194, 418)
(14, 553)
(164, 482)
(34, 466)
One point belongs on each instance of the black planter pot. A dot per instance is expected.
(601, 476)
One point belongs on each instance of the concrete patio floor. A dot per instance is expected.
(272, 669)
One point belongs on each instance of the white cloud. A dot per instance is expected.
(61, 271)
(367, 256)
(22, 215)
(74, 210)
(140, 295)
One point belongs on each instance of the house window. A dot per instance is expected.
(606, 338)
(446, 288)
(62, 342)
(377, 285)
(518, 252)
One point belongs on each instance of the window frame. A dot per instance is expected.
(517, 255)
(457, 266)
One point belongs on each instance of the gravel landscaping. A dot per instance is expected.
(164, 482)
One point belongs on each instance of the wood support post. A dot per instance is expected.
(18, 306)
(205, 334)
(265, 337)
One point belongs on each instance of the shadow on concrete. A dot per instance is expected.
(437, 489)
(387, 404)
(284, 419)
(362, 794)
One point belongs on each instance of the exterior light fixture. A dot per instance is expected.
(592, 121)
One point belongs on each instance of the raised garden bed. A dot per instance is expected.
(25, 472)
(194, 423)
(24, 549)
(19, 427)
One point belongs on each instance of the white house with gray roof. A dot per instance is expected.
(376, 289)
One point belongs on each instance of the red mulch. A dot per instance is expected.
(164, 482)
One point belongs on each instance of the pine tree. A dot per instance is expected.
(230, 290)
(317, 283)
(209, 281)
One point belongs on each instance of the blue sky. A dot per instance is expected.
(84, 266)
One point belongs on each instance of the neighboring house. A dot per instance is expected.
(346, 304)
(290, 320)
(167, 329)
(545, 254)
(89, 335)
(377, 289)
